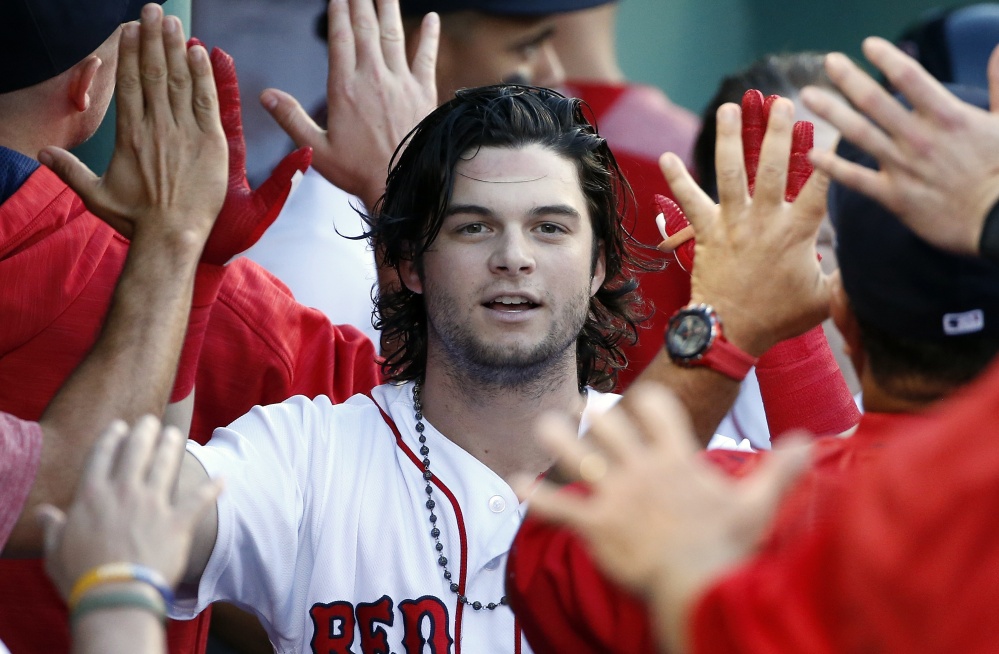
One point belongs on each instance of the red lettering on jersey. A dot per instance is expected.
(333, 628)
(374, 640)
(432, 610)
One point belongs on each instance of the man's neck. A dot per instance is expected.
(495, 424)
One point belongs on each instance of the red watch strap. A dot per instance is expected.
(726, 358)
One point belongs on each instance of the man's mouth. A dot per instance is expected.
(510, 304)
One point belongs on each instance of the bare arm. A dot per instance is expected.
(754, 258)
(165, 185)
(125, 512)
(937, 159)
(374, 96)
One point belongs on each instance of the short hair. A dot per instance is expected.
(774, 74)
(408, 218)
(924, 370)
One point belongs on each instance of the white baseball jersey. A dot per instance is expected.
(324, 531)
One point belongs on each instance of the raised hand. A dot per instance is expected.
(246, 214)
(167, 175)
(755, 253)
(939, 168)
(123, 511)
(374, 97)
(658, 519)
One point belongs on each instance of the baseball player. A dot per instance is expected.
(383, 524)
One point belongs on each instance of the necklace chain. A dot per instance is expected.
(435, 532)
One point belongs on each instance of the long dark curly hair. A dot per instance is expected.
(408, 217)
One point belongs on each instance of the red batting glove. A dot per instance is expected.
(671, 220)
(246, 214)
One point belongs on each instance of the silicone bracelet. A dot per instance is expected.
(113, 572)
(116, 600)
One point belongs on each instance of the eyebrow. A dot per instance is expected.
(536, 39)
(544, 210)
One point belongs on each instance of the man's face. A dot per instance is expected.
(508, 281)
(478, 49)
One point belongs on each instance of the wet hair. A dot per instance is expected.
(408, 218)
(776, 74)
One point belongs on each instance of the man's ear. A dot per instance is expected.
(80, 81)
(410, 276)
(599, 270)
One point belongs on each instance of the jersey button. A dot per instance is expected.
(497, 504)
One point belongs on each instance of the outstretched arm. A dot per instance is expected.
(939, 171)
(165, 185)
(123, 516)
(374, 96)
(754, 257)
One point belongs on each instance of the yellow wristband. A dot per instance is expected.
(112, 572)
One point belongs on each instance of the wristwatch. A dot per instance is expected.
(694, 338)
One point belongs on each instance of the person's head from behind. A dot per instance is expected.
(779, 74)
(503, 217)
(919, 322)
(493, 41)
(59, 59)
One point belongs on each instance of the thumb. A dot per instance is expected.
(294, 120)
(278, 186)
(70, 170)
(52, 521)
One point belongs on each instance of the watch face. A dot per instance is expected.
(689, 335)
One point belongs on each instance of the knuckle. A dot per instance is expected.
(153, 72)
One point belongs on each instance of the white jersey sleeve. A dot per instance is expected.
(265, 459)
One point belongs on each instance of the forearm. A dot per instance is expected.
(128, 373)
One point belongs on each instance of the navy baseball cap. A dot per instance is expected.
(40, 39)
(497, 7)
(898, 282)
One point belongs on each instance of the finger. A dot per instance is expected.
(341, 49)
(671, 243)
(867, 95)
(294, 120)
(614, 435)
(924, 92)
(164, 465)
(179, 84)
(128, 85)
(696, 204)
(811, 204)
(152, 62)
(367, 41)
(72, 171)
(425, 60)
(561, 439)
(194, 505)
(53, 521)
(138, 448)
(853, 126)
(103, 454)
(754, 125)
(393, 39)
(993, 75)
(862, 179)
(204, 95)
(548, 503)
(771, 175)
(663, 420)
(729, 162)
(799, 167)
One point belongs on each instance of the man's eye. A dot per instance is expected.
(472, 228)
(550, 228)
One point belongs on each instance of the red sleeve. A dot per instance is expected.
(20, 453)
(910, 562)
(561, 599)
(803, 388)
(262, 347)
